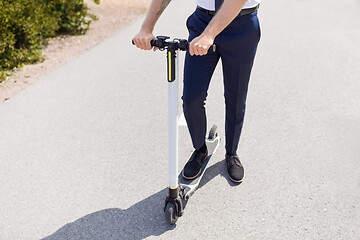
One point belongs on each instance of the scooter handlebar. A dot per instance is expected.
(160, 42)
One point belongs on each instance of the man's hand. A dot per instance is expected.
(227, 12)
(142, 40)
(200, 45)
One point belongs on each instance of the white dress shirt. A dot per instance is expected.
(210, 4)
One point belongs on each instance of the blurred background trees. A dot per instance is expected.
(26, 24)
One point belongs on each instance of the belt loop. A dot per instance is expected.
(218, 4)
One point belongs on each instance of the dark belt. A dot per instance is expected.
(242, 12)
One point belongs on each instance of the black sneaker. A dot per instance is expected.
(192, 168)
(235, 168)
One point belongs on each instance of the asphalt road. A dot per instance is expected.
(83, 152)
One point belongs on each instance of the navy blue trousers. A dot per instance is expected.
(236, 46)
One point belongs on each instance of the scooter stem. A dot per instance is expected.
(173, 100)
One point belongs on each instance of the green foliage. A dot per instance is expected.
(26, 24)
(71, 16)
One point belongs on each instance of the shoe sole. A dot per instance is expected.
(190, 178)
(236, 181)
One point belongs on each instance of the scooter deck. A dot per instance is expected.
(189, 186)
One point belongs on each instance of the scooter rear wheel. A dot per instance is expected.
(212, 133)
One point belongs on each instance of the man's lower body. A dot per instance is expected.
(236, 46)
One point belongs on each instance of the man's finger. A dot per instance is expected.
(147, 45)
(194, 49)
(143, 45)
(204, 51)
(198, 50)
(191, 49)
(140, 44)
(136, 42)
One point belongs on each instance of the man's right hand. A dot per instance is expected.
(142, 40)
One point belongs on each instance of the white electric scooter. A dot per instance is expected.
(179, 187)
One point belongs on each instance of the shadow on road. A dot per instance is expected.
(217, 169)
(143, 219)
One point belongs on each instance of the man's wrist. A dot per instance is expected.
(208, 35)
(147, 29)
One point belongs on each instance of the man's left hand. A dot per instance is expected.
(200, 45)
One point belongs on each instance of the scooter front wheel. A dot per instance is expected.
(170, 213)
